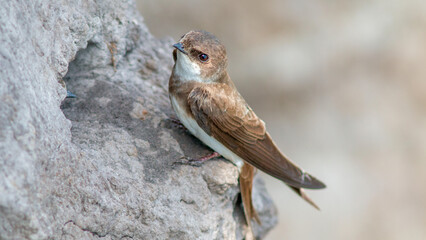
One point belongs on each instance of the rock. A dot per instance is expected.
(102, 165)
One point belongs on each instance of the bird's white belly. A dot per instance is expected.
(197, 131)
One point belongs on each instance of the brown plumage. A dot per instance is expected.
(223, 114)
(246, 186)
(208, 104)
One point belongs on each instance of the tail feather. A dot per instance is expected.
(303, 195)
(246, 185)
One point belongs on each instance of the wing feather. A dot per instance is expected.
(224, 114)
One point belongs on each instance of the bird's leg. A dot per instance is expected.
(177, 123)
(199, 161)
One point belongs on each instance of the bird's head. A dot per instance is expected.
(199, 56)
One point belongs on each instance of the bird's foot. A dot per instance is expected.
(177, 123)
(197, 162)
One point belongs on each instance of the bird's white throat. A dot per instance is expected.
(187, 70)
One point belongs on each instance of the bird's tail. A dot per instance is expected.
(246, 184)
(303, 195)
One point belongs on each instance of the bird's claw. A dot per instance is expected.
(177, 123)
(189, 161)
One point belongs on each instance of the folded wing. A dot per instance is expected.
(225, 115)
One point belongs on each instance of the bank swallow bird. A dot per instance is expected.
(208, 104)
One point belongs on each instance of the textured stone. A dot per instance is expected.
(102, 165)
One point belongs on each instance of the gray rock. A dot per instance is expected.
(102, 165)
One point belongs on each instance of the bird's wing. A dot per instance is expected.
(223, 114)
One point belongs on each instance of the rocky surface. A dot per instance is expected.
(102, 165)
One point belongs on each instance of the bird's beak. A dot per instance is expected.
(179, 47)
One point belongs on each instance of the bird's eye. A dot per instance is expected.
(203, 57)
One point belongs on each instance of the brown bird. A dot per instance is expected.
(210, 107)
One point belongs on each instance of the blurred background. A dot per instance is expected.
(341, 86)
